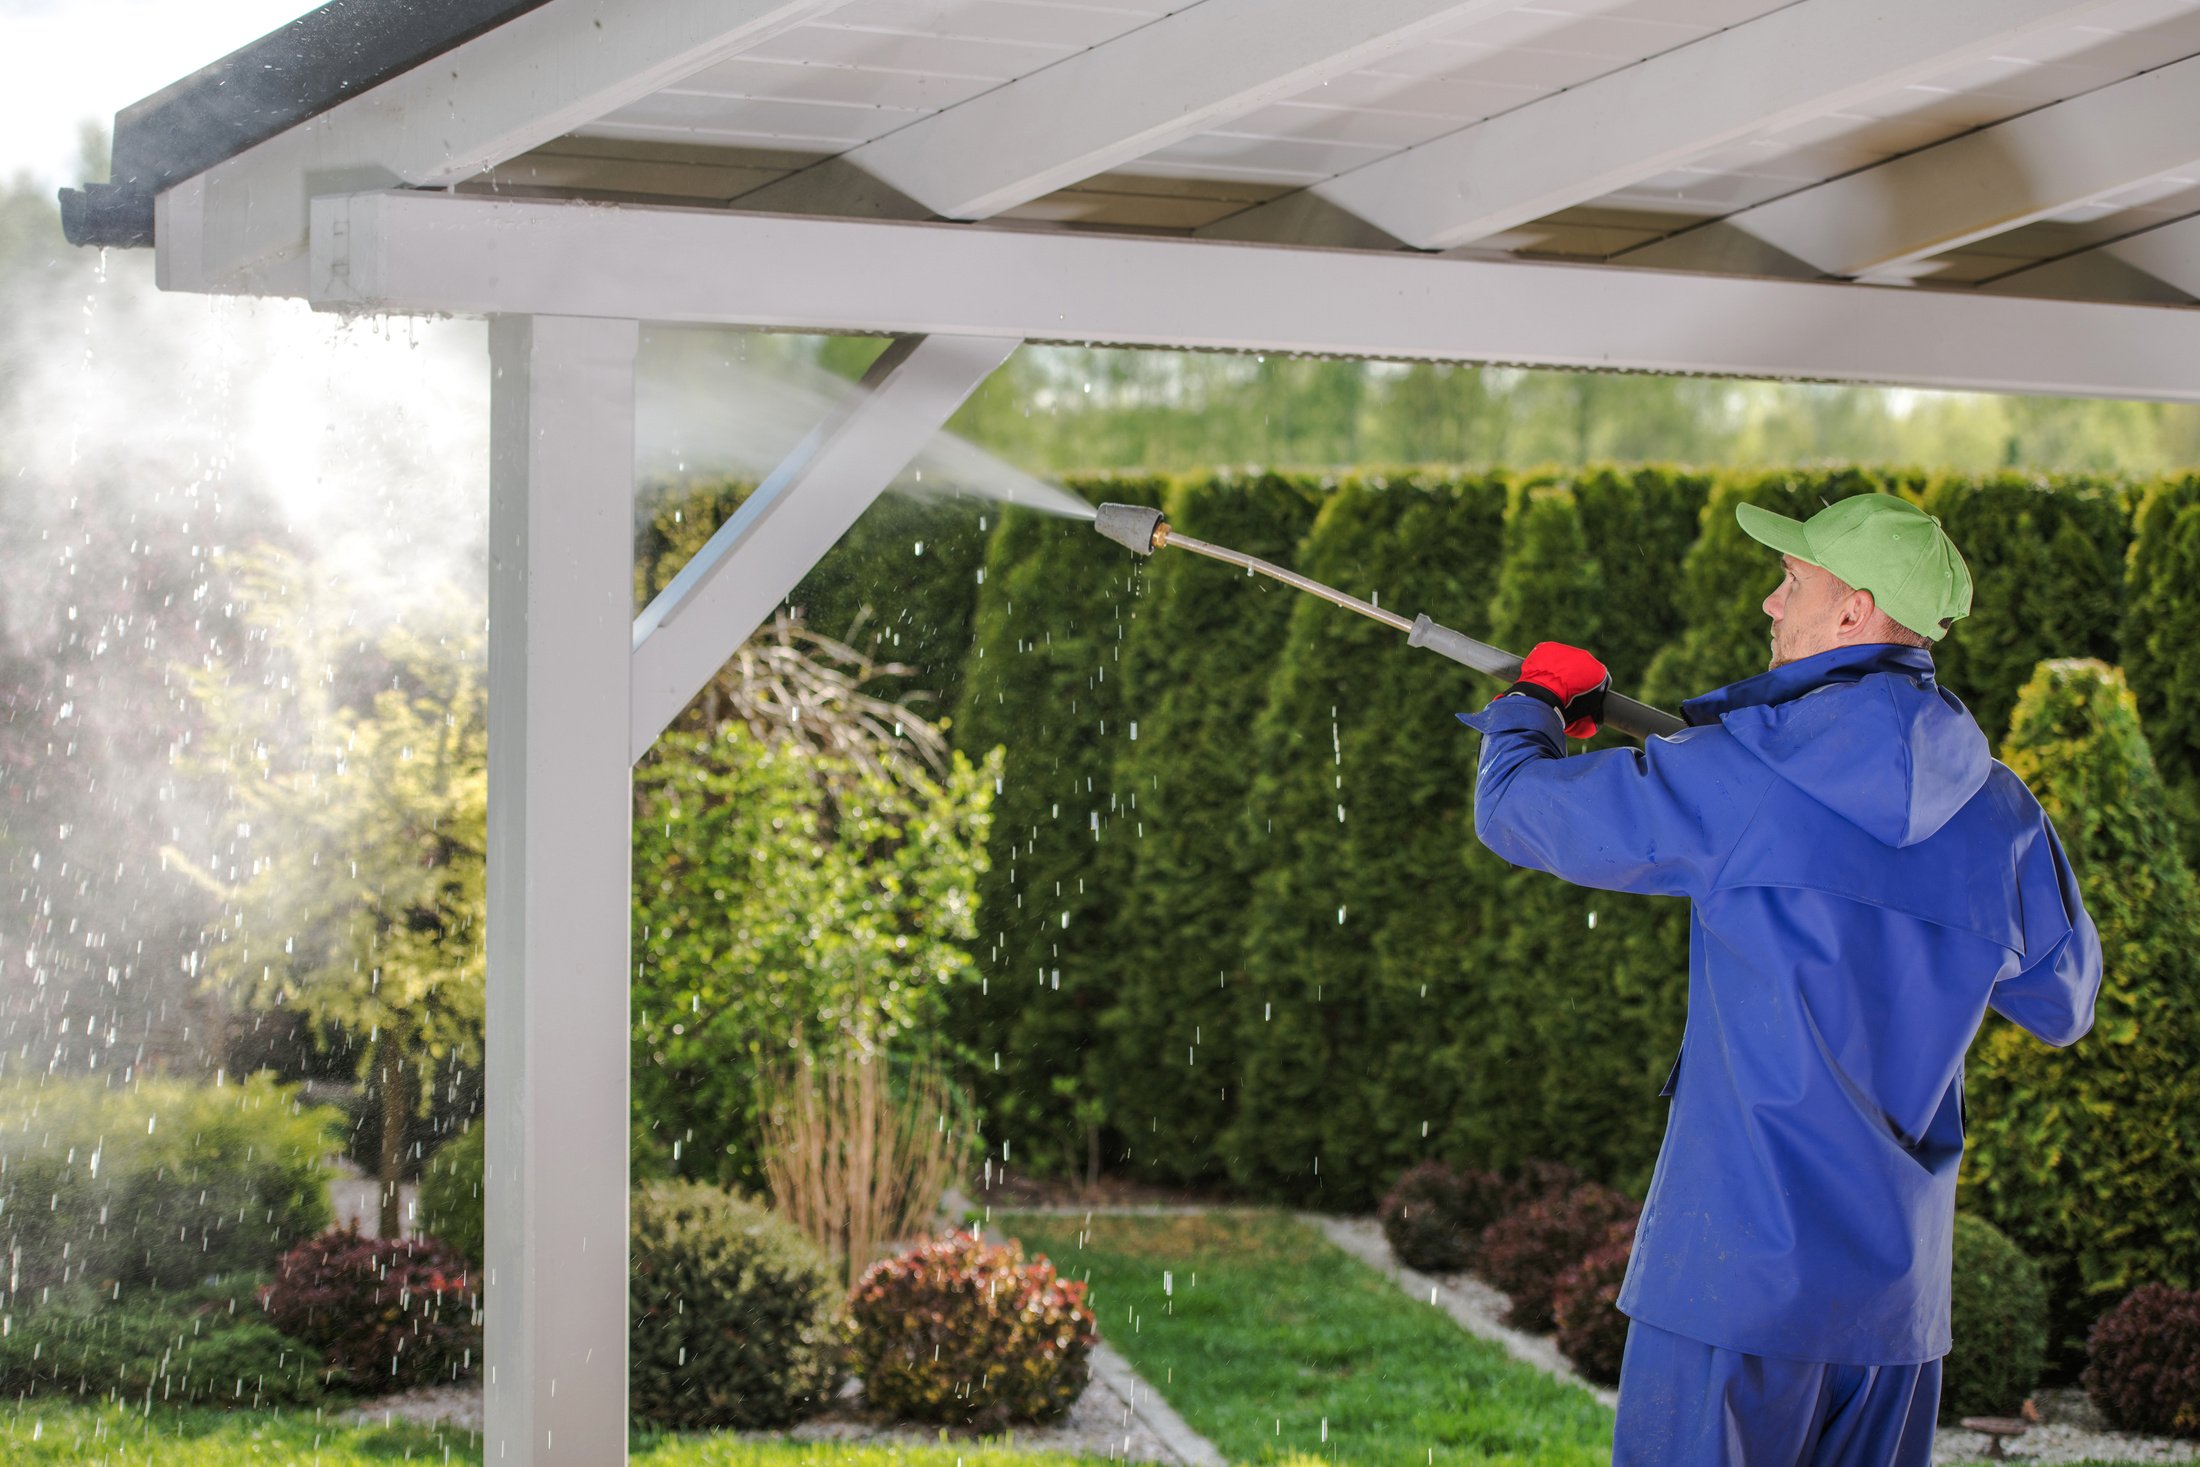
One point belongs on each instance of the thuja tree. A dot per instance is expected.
(1196, 680)
(1579, 992)
(2161, 628)
(1045, 680)
(1359, 811)
(900, 587)
(2088, 1156)
(2046, 560)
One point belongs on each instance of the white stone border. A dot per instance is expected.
(1111, 1370)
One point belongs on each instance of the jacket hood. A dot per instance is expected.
(1864, 731)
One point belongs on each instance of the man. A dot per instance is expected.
(1866, 881)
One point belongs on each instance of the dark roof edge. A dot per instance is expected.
(322, 58)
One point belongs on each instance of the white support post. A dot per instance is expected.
(724, 593)
(561, 603)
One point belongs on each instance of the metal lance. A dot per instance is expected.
(1143, 531)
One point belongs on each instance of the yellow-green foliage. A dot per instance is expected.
(2089, 1157)
(157, 1183)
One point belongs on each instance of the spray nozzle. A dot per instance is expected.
(1133, 526)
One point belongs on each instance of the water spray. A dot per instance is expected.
(1143, 531)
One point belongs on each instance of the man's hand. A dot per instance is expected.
(1569, 680)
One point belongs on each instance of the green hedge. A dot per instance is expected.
(1046, 681)
(1459, 1009)
(1197, 685)
(204, 1347)
(157, 1184)
(1359, 815)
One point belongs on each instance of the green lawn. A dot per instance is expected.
(1271, 1341)
(55, 1435)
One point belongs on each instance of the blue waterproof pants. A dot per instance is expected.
(1687, 1404)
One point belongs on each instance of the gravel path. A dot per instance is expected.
(1119, 1418)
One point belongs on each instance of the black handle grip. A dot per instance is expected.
(1620, 712)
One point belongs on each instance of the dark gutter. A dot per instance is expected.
(322, 58)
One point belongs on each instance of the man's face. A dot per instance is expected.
(1806, 610)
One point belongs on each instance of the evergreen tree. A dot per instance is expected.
(2046, 561)
(2089, 1156)
(1581, 993)
(1053, 620)
(2161, 628)
(1360, 810)
(1195, 678)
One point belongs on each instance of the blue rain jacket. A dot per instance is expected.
(1865, 880)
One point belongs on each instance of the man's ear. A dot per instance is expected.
(1856, 611)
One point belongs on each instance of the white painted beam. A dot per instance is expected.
(561, 602)
(472, 255)
(684, 636)
(2170, 254)
(1088, 113)
(1989, 181)
(241, 225)
(1802, 61)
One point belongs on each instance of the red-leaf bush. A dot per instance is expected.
(970, 1333)
(1585, 1303)
(388, 1314)
(1524, 1252)
(2145, 1368)
(1435, 1215)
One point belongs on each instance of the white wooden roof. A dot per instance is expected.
(2052, 135)
(1725, 186)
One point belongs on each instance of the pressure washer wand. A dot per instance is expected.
(1144, 531)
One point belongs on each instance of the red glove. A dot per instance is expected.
(1569, 680)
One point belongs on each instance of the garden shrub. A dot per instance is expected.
(159, 1185)
(1435, 1214)
(970, 1333)
(1524, 1252)
(1999, 1313)
(733, 1313)
(1585, 1305)
(189, 1348)
(450, 1194)
(2085, 1156)
(781, 893)
(2145, 1367)
(387, 1314)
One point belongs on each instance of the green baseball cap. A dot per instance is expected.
(1880, 544)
